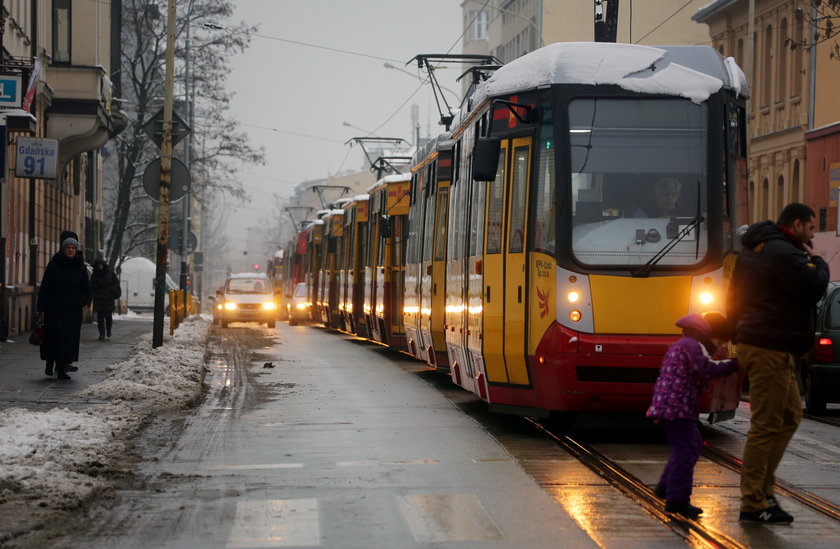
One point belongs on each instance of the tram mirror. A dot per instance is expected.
(485, 160)
(385, 226)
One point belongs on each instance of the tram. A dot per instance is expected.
(352, 271)
(588, 196)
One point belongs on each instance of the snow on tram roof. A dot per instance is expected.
(693, 72)
(396, 178)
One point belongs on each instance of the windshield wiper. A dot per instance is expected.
(645, 269)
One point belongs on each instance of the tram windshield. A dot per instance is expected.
(638, 177)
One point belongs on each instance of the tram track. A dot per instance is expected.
(693, 531)
(810, 500)
(822, 419)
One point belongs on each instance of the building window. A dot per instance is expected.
(783, 55)
(780, 194)
(798, 62)
(794, 182)
(61, 31)
(768, 65)
(481, 25)
(765, 199)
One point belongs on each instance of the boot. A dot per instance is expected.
(61, 371)
(48, 370)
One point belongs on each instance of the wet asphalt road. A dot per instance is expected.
(310, 438)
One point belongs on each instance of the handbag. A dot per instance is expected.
(37, 335)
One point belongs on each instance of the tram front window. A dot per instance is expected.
(638, 168)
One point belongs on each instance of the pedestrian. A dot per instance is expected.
(64, 292)
(105, 288)
(686, 369)
(775, 286)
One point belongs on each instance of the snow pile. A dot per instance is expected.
(56, 459)
(168, 377)
(52, 457)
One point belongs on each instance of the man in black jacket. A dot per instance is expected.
(772, 297)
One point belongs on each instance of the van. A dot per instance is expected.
(137, 280)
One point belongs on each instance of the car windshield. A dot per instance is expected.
(248, 286)
(300, 290)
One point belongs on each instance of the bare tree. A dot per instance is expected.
(224, 146)
(821, 18)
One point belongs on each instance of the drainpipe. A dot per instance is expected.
(813, 76)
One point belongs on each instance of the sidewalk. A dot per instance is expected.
(24, 385)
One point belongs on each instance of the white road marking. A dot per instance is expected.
(257, 466)
(448, 517)
(275, 523)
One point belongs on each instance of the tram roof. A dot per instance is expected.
(396, 178)
(438, 143)
(693, 72)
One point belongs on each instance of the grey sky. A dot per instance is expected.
(296, 89)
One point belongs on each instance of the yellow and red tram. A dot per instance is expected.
(542, 250)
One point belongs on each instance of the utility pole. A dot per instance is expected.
(165, 179)
(606, 24)
(185, 225)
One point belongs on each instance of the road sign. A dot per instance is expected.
(179, 184)
(175, 238)
(154, 128)
(10, 91)
(36, 158)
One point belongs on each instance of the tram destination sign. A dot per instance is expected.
(36, 158)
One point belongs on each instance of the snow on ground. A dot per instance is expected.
(53, 458)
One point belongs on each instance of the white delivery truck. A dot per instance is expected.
(137, 280)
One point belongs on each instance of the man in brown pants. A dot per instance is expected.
(775, 286)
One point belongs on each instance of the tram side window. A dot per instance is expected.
(414, 229)
(478, 203)
(545, 206)
(441, 223)
(519, 188)
(494, 207)
(429, 200)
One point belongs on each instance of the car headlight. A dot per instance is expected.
(230, 306)
(269, 306)
(302, 306)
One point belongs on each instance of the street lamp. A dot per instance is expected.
(349, 125)
(423, 80)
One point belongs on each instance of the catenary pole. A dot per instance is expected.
(165, 179)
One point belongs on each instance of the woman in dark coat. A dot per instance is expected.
(105, 287)
(64, 292)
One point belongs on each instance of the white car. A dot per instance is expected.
(246, 297)
(298, 305)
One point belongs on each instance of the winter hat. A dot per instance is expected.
(69, 241)
(720, 328)
(696, 324)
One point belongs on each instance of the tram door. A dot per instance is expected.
(504, 269)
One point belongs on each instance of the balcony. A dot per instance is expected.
(81, 112)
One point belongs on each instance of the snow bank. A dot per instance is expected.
(56, 458)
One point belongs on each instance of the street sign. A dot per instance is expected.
(36, 158)
(154, 128)
(10, 91)
(175, 238)
(179, 184)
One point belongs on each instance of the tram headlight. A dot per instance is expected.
(230, 306)
(706, 298)
(574, 316)
(573, 296)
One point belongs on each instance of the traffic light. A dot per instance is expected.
(256, 266)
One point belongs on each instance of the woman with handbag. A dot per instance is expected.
(64, 292)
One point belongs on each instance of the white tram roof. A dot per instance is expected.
(313, 223)
(361, 197)
(693, 72)
(396, 178)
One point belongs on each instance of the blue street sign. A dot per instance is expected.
(10, 91)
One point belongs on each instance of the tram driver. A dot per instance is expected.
(664, 202)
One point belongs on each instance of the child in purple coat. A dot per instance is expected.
(686, 369)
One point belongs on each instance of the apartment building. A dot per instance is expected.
(57, 56)
(509, 29)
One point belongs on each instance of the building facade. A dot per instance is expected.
(509, 29)
(62, 52)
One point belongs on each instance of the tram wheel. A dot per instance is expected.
(560, 421)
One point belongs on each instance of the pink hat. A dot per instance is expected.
(696, 322)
